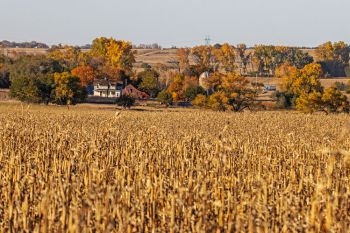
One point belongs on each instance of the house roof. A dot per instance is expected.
(105, 82)
(133, 91)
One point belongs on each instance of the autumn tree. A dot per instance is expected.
(334, 57)
(85, 73)
(263, 58)
(183, 55)
(200, 100)
(244, 57)
(204, 58)
(307, 80)
(176, 87)
(236, 89)
(181, 86)
(330, 101)
(334, 101)
(304, 86)
(213, 82)
(269, 58)
(219, 101)
(68, 56)
(68, 89)
(226, 55)
(112, 57)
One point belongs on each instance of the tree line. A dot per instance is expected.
(32, 44)
(224, 86)
(207, 76)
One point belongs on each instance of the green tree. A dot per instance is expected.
(4, 76)
(193, 91)
(68, 89)
(165, 98)
(149, 82)
(126, 101)
(31, 78)
(269, 58)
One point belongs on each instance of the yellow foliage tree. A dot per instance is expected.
(330, 101)
(309, 102)
(68, 56)
(176, 87)
(219, 101)
(200, 101)
(226, 55)
(236, 89)
(334, 57)
(114, 56)
(67, 89)
(303, 81)
(204, 58)
(335, 101)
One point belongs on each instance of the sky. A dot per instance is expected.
(177, 22)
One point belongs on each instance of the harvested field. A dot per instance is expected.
(92, 169)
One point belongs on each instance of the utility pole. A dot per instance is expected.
(207, 40)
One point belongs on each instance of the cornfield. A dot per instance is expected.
(86, 169)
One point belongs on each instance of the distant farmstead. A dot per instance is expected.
(107, 89)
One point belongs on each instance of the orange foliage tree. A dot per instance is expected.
(85, 73)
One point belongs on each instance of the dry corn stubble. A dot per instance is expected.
(90, 170)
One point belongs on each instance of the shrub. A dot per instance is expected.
(284, 99)
(125, 101)
(200, 101)
(193, 91)
(341, 86)
(165, 97)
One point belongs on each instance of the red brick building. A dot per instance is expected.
(135, 93)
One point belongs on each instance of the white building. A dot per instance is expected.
(107, 89)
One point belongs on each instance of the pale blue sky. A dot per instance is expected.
(176, 22)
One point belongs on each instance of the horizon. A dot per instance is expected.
(182, 23)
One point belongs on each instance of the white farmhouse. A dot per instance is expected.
(107, 89)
